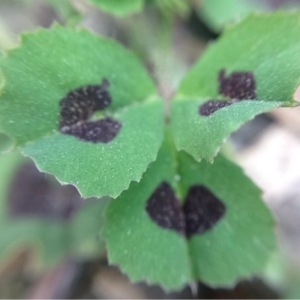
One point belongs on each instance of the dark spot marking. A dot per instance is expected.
(165, 210)
(77, 108)
(212, 106)
(104, 130)
(80, 104)
(237, 85)
(200, 212)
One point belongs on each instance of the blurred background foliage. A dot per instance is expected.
(50, 246)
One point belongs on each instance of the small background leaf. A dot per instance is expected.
(219, 14)
(49, 64)
(66, 11)
(267, 51)
(119, 8)
(170, 8)
(239, 245)
(53, 239)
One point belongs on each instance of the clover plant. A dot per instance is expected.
(86, 110)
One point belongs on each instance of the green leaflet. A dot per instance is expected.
(260, 46)
(38, 74)
(239, 245)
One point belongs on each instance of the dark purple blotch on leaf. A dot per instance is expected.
(164, 208)
(200, 212)
(237, 86)
(78, 107)
(104, 130)
(212, 106)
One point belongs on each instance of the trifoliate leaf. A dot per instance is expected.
(253, 68)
